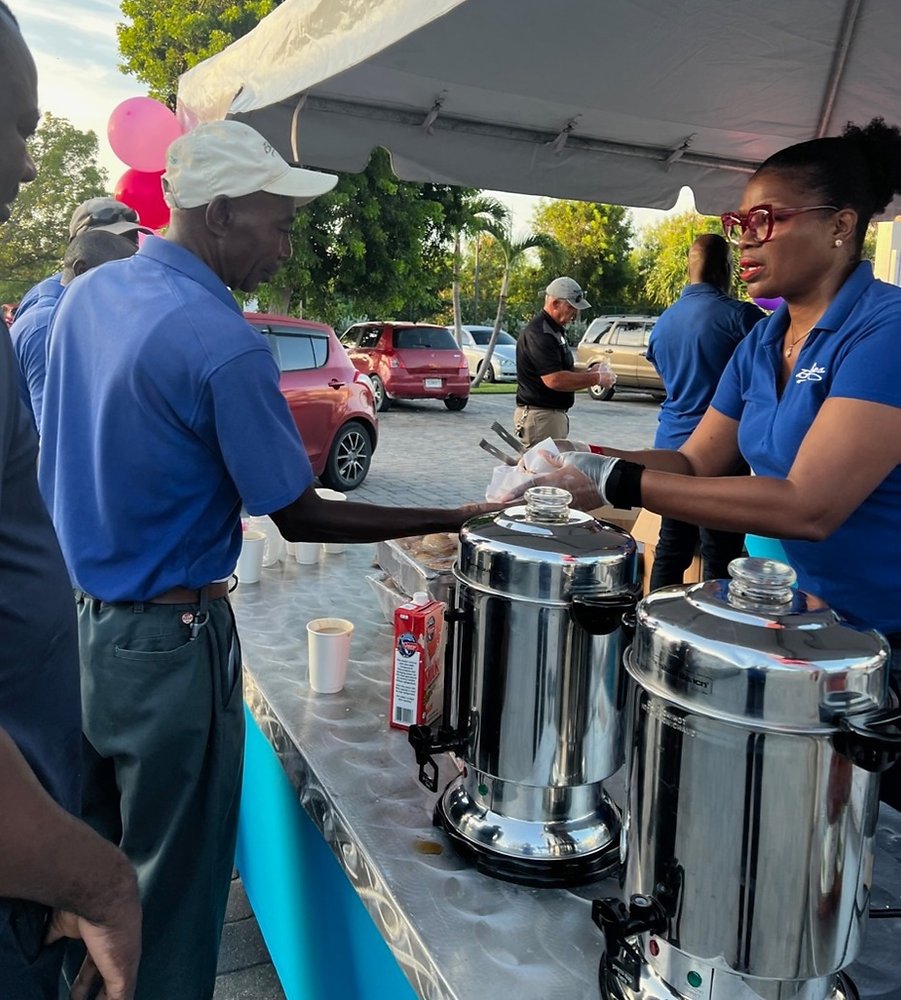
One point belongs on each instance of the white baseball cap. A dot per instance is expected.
(232, 159)
(568, 289)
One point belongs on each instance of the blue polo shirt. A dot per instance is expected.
(854, 352)
(690, 345)
(29, 337)
(51, 288)
(162, 414)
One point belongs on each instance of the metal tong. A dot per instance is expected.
(509, 439)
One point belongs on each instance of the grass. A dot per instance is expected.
(487, 388)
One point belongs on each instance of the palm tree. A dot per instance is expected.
(469, 214)
(512, 250)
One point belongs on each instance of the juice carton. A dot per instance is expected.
(417, 677)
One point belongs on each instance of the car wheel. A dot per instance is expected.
(382, 402)
(456, 402)
(348, 461)
(489, 374)
(601, 392)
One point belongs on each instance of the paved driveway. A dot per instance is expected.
(430, 457)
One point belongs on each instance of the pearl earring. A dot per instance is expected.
(838, 243)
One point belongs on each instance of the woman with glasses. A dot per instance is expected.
(812, 397)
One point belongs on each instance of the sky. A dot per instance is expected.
(74, 46)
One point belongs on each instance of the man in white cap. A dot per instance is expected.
(544, 366)
(162, 416)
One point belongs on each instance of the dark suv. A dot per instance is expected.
(622, 341)
(409, 361)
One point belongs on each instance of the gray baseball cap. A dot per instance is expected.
(106, 214)
(568, 289)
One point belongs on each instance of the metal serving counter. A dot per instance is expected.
(457, 934)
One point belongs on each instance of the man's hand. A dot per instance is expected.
(114, 948)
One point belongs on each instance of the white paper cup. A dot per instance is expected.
(328, 643)
(307, 553)
(250, 562)
(332, 548)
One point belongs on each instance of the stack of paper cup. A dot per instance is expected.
(250, 562)
(332, 548)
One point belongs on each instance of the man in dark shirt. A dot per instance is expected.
(690, 346)
(544, 366)
(57, 877)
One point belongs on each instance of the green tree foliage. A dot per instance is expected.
(597, 239)
(511, 251)
(375, 247)
(660, 260)
(33, 243)
(162, 39)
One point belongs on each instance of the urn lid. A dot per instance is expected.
(754, 650)
(545, 552)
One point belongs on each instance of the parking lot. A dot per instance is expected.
(427, 456)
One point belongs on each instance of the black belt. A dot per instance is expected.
(191, 595)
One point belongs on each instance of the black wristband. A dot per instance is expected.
(623, 486)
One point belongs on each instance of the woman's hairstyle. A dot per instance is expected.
(860, 169)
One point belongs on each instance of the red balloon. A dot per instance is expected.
(144, 193)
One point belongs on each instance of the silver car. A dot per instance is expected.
(503, 357)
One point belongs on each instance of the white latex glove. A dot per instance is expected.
(584, 483)
(606, 375)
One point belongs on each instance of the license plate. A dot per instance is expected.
(433, 383)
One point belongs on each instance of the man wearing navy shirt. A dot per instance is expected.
(57, 877)
(690, 346)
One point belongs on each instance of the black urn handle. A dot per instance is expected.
(871, 740)
(603, 614)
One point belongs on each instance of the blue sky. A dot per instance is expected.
(74, 46)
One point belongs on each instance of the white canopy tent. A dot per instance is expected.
(623, 101)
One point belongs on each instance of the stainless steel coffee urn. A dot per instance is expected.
(533, 695)
(756, 730)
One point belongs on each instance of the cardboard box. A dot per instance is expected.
(646, 531)
(417, 677)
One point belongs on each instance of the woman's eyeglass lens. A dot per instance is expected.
(758, 221)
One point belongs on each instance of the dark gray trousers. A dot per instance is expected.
(163, 724)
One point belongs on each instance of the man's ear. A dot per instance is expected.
(219, 215)
(79, 267)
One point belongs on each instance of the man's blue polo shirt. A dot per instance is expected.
(51, 287)
(29, 336)
(690, 346)
(162, 414)
(854, 352)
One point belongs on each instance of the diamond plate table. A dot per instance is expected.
(457, 934)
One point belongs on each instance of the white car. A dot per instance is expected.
(503, 357)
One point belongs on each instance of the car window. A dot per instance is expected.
(630, 335)
(596, 329)
(350, 337)
(435, 338)
(298, 351)
(481, 337)
(371, 336)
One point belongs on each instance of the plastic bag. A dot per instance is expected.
(509, 481)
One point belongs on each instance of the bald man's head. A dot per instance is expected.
(19, 113)
(710, 261)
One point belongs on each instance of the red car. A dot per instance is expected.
(332, 404)
(409, 361)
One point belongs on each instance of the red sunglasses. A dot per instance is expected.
(760, 219)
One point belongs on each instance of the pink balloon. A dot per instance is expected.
(140, 130)
(769, 304)
(143, 192)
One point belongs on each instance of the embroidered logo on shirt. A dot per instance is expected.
(812, 374)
